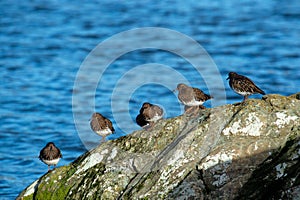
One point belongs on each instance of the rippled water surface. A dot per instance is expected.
(43, 45)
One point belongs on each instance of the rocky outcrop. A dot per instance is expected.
(243, 151)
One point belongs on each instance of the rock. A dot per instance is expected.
(243, 151)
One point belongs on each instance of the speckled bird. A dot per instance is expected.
(50, 155)
(190, 96)
(243, 85)
(101, 125)
(150, 113)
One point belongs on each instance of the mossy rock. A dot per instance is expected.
(224, 152)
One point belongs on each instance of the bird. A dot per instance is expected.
(141, 121)
(101, 125)
(150, 113)
(243, 85)
(50, 155)
(191, 96)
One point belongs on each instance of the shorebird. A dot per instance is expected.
(150, 114)
(191, 97)
(101, 125)
(243, 85)
(50, 155)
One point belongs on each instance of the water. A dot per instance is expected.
(43, 45)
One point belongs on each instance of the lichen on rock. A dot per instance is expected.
(240, 151)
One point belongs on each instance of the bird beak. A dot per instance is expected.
(227, 78)
(174, 90)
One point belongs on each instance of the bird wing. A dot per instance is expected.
(108, 124)
(200, 95)
(41, 153)
(158, 110)
(49, 154)
(60, 155)
(248, 85)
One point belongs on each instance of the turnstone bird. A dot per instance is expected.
(50, 155)
(150, 113)
(190, 96)
(101, 125)
(243, 85)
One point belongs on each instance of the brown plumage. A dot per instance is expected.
(190, 96)
(150, 113)
(243, 85)
(50, 155)
(101, 125)
(140, 120)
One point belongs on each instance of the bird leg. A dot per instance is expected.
(245, 98)
(188, 109)
(193, 110)
(102, 139)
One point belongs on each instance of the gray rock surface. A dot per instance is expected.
(242, 151)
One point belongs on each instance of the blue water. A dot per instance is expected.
(43, 45)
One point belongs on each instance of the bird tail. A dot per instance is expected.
(260, 91)
(209, 97)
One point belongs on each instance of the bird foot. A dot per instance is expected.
(103, 139)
